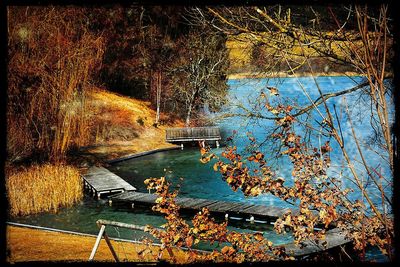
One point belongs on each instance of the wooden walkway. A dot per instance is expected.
(334, 238)
(193, 134)
(100, 181)
(215, 206)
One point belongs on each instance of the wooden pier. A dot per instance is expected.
(190, 134)
(251, 211)
(101, 181)
(334, 238)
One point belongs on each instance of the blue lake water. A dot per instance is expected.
(200, 181)
(298, 92)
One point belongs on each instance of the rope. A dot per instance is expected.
(120, 244)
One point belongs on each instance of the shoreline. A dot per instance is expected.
(141, 154)
(260, 75)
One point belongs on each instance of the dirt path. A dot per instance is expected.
(24, 244)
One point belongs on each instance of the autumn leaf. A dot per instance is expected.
(176, 238)
(259, 156)
(224, 168)
(255, 191)
(274, 111)
(273, 91)
(258, 236)
(189, 241)
(227, 250)
(215, 167)
(322, 214)
(288, 220)
(290, 138)
(205, 159)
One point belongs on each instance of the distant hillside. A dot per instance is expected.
(247, 55)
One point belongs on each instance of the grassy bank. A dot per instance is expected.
(24, 245)
(41, 188)
(120, 126)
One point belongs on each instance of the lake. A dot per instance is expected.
(200, 181)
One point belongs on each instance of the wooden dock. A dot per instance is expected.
(101, 181)
(334, 238)
(190, 134)
(235, 209)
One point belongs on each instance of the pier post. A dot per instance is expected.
(181, 146)
(217, 143)
(251, 219)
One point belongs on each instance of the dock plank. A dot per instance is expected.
(192, 203)
(333, 238)
(141, 197)
(123, 196)
(217, 206)
(236, 207)
(204, 203)
(181, 200)
(220, 206)
(102, 181)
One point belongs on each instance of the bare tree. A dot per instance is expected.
(198, 76)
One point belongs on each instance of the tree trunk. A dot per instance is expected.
(158, 94)
(188, 114)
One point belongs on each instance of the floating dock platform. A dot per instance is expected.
(101, 181)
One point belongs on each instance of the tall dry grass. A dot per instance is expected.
(42, 188)
(52, 57)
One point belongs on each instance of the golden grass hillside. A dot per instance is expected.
(121, 125)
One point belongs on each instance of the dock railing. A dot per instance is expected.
(193, 134)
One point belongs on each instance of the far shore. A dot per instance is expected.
(257, 75)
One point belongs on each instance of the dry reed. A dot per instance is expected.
(52, 57)
(42, 188)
